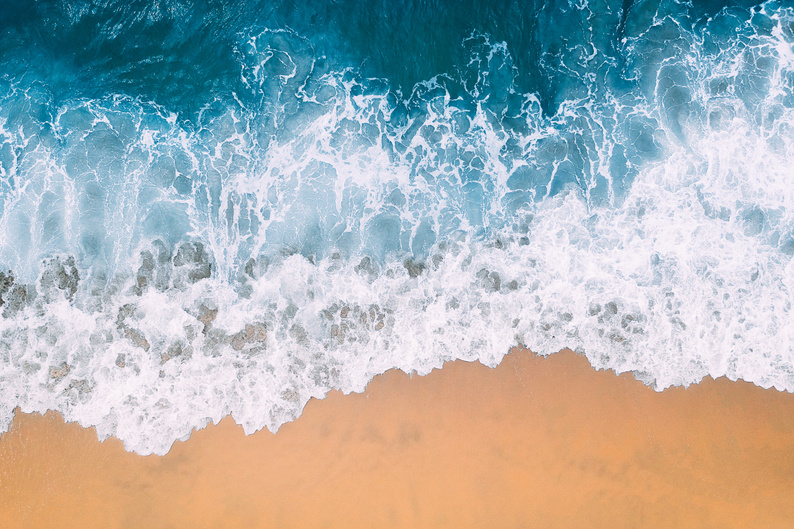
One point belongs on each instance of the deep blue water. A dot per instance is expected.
(216, 207)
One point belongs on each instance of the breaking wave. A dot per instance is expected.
(243, 245)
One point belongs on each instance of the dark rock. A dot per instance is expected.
(137, 338)
(202, 271)
(190, 252)
(6, 281)
(15, 300)
(196, 262)
(366, 268)
(414, 268)
(207, 316)
(57, 373)
(145, 274)
(490, 281)
(60, 275)
(176, 350)
(252, 334)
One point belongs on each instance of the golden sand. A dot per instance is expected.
(533, 443)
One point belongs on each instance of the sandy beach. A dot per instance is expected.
(535, 442)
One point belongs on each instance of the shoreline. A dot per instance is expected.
(535, 441)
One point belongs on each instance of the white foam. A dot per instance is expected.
(675, 267)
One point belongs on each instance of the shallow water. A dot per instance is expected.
(213, 208)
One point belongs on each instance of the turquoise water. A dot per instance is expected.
(212, 208)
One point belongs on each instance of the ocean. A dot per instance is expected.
(213, 208)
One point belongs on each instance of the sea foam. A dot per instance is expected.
(315, 228)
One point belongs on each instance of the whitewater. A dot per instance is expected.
(169, 257)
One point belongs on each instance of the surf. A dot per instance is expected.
(297, 225)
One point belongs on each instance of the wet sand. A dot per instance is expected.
(533, 443)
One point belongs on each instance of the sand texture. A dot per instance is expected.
(536, 442)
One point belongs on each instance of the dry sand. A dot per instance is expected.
(533, 443)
